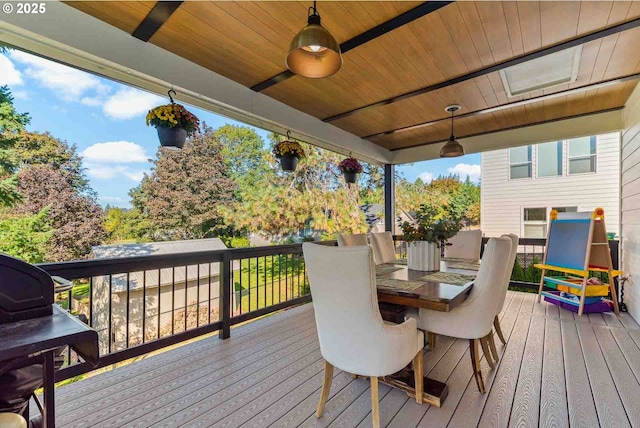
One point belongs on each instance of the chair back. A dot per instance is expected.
(384, 250)
(465, 245)
(507, 275)
(487, 287)
(356, 239)
(345, 302)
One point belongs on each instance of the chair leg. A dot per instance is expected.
(432, 340)
(418, 375)
(326, 387)
(496, 324)
(475, 364)
(375, 405)
(485, 350)
(492, 346)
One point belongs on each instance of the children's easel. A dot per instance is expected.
(577, 244)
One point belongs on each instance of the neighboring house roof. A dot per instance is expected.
(168, 275)
(374, 214)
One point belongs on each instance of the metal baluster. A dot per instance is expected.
(209, 295)
(90, 301)
(257, 282)
(158, 326)
(198, 297)
(286, 277)
(186, 289)
(127, 317)
(144, 304)
(273, 273)
(173, 299)
(110, 320)
(264, 265)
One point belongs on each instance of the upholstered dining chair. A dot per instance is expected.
(352, 334)
(12, 420)
(345, 240)
(473, 318)
(465, 245)
(503, 292)
(384, 250)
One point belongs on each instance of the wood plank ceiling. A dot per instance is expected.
(248, 41)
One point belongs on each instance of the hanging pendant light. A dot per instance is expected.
(452, 148)
(314, 52)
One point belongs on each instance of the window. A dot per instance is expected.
(566, 209)
(549, 159)
(520, 162)
(535, 222)
(582, 155)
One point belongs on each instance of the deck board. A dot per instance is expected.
(557, 369)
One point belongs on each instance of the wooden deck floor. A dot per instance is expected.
(557, 370)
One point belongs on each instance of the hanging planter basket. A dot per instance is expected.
(289, 163)
(172, 137)
(350, 168)
(173, 122)
(350, 176)
(288, 152)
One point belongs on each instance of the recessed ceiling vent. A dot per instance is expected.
(542, 73)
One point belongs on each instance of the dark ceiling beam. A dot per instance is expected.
(377, 31)
(155, 19)
(511, 128)
(510, 105)
(497, 67)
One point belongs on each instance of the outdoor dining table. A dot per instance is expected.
(397, 284)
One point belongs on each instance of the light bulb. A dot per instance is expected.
(314, 48)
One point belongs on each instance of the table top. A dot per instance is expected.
(27, 337)
(438, 296)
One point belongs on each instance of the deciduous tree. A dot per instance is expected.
(77, 219)
(187, 189)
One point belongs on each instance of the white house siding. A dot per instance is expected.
(503, 200)
(630, 196)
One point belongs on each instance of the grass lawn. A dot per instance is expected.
(268, 280)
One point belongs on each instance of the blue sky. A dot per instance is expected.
(105, 120)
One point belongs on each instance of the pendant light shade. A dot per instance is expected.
(452, 148)
(314, 52)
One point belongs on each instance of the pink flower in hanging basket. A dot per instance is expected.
(350, 165)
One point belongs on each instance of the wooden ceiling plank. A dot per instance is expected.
(474, 26)
(513, 25)
(185, 35)
(624, 57)
(244, 35)
(495, 27)
(458, 31)
(123, 15)
(593, 15)
(530, 25)
(559, 20)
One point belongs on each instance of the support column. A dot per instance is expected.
(389, 197)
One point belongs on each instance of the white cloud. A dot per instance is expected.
(426, 177)
(128, 103)
(107, 171)
(21, 95)
(115, 152)
(67, 83)
(9, 75)
(465, 169)
(91, 101)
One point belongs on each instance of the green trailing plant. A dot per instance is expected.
(429, 226)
